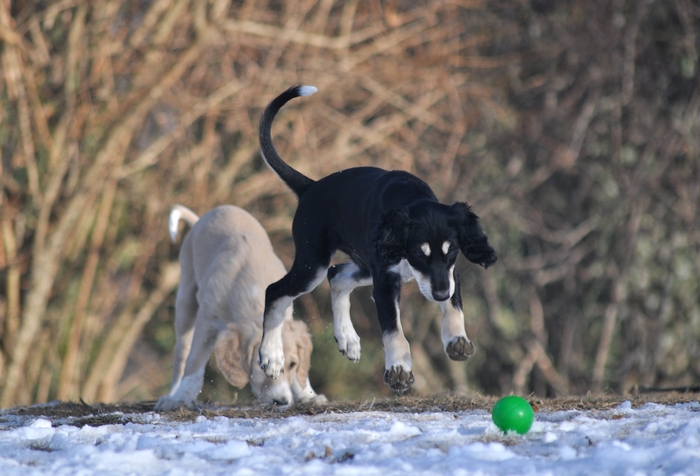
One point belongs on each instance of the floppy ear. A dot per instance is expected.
(389, 237)
(472, 240)
(304, 349)
(234, 355)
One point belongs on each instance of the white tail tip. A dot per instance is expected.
(175, 215)
(178, 213)
(307, 90)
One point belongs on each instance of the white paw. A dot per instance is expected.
(271, 358)
(349, 345)
(169, 404)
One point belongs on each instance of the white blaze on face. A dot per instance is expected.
(423, 281)
(426, 289)
(425, 248)
(445, 247)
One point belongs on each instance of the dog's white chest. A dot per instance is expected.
(404, 270)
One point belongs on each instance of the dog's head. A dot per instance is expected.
(235, 352)
(429, 236)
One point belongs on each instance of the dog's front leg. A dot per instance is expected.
(271, 351)
(279, 297)
(343, 278)
(454, 335)
(397, 354)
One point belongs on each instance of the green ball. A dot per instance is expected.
(513, 413)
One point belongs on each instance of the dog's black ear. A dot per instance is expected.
(390, 236)
(472, 240)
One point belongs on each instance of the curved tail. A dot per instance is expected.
(178, 212)
(294, 179)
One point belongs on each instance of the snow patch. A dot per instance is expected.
(652, 439)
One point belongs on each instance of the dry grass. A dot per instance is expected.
(80, 414)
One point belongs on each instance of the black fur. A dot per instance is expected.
(296, 181)
(378, 218)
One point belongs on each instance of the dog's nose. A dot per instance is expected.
(441, 295)
(281, 401)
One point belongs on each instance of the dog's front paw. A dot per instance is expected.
(317, 400)
(460, 348)
(271, 360)
(349, 345)
(170, 404)
(398, 379)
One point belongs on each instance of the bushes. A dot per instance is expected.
(571, 128)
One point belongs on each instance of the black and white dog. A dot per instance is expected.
(394, 229)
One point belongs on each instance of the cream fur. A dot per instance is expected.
(226, 263)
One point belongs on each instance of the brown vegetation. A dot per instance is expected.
(571, 127)
(81, 414)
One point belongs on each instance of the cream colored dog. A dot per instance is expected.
(226, 263)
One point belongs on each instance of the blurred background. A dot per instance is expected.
(571, 127)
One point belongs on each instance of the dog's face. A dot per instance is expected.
(429, 236)
(235, 357)
(432, 258)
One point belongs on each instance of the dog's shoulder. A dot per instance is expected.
(371, 181)
(403, 179)
(398, 188)
(342, 188)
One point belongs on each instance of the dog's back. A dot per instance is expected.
(231, 259)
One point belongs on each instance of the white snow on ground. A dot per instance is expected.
(650, 440)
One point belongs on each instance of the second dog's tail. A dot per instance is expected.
(178, 212)
(294, 179)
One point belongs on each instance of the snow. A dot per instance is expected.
(653, 439)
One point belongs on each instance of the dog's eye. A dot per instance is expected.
(423, 251)
(292, 365)
(447, 247)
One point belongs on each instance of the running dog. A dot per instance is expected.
(394, 229)
(226, 262)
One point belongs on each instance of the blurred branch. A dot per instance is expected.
(537, 355)
(619, 272)
(10, 324)
(150, 156)
(308, 39)
(170, 278)
(66, 383)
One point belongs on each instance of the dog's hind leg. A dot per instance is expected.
(343, 278)
(279, 296)
(454, 335)
(397, 354)
(186, 308)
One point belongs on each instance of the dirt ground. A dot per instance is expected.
(80, 413)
